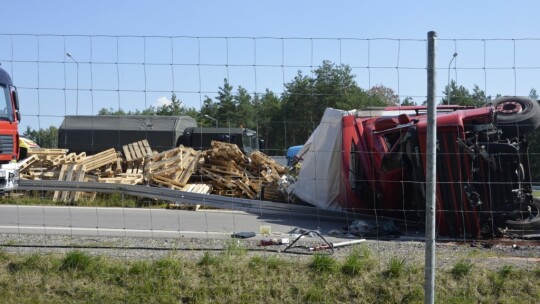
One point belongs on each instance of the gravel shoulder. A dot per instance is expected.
(490, 254)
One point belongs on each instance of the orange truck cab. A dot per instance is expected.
(9, 135)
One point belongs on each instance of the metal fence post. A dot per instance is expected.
(431, 178)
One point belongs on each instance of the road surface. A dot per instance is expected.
(136, 222)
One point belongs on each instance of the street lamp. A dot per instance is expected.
(77, 105)
(448, 92)
(212, 118)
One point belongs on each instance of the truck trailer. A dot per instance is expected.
(95, 133)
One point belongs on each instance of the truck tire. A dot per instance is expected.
(516, 115)
(529, 220)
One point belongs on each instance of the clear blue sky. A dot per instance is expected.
(304, 18)
(466, 27)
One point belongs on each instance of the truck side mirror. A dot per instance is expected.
(15, 97)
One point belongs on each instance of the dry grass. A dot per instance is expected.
(232, 276)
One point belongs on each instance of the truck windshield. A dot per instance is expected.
(6, 109)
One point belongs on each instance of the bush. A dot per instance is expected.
(357, 261)
(76, 260)
(461, 269)
(235, 248)
(208, 259)
(322, 263)
(395, 268)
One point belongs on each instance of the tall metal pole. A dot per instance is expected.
(212, 118)
(77, 63)
(448, 92)
(431, 177)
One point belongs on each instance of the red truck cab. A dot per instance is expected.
(483, 180)
(9, 135)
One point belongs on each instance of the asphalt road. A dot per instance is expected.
(131, 222)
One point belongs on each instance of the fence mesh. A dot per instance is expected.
(280, 88)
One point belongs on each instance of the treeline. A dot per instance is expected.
(290, 118)
(281, 120)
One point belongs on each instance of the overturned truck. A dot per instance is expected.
(374, 161)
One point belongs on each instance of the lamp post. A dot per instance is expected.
(212, 118)
(448, 92)
(76, 62)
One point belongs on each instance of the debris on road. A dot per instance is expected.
(222, 170)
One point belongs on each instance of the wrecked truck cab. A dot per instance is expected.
(483, 180)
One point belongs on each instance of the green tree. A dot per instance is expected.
(111, 111)
(533, 94)
(459, 95)
(306, 98)
(408, 101)
(45, 138)
(269, 122)
(245, 113)
(387, 95)
(174, 108)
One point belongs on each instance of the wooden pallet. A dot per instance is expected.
(27, 162)
(123, 178)
(172, 168)
(47, 152)
(198, 188)
(70, 172)
(223, 170)
(258, 158)
(105, 161)
(67, 158)
(137, 150)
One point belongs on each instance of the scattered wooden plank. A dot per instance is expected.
(198, 188)
(27, 162)
(222, 170)
(101, 159)
(69, 172)
(123, 178)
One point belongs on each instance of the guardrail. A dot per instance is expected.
(238, 204)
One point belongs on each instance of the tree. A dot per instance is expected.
(306, 98)
(387, 95)
(533, 94)
(245, 113)
(45, 138)
(408, 101)
(174, 108)
(269, 121)
(111, 111)
(459, 95)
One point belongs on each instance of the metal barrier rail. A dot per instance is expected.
(238, 204)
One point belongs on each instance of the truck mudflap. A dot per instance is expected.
(9, 177)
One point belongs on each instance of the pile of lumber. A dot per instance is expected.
(222, 170)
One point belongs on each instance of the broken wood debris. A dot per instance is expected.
(221, 170)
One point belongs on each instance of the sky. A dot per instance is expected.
(134, 54)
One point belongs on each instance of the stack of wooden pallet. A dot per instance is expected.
(172, 168)
(221, 170)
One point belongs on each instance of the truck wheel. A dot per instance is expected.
(516, 115)
(528, 219)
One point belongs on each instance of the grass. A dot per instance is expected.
(461, 269)
(102, 200)
(235, 276)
